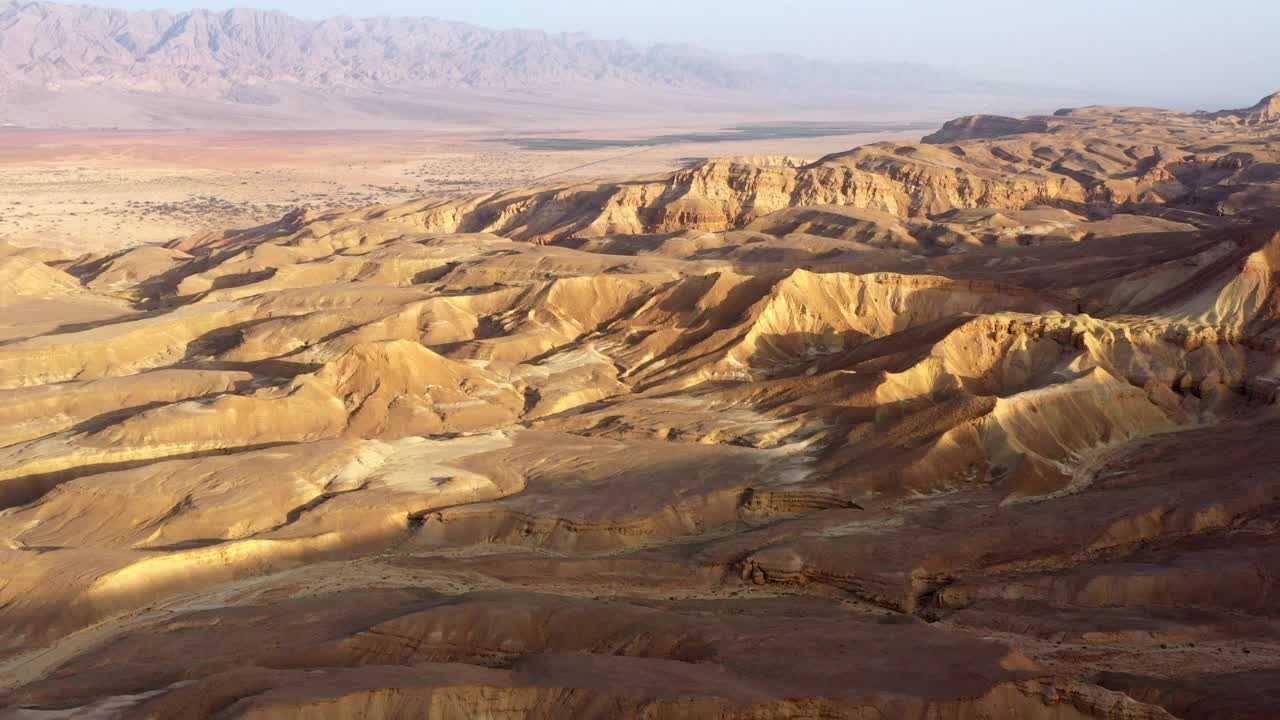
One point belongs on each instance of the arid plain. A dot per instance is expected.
(93, 190)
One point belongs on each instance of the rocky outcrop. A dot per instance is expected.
(1265, 112)
(723, 195)
(978, 127)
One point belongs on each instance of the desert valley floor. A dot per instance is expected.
(976, 427)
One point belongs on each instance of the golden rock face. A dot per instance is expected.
(982, 427)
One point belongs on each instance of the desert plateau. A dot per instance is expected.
(972, 422)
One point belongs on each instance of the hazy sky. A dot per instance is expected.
(1193, 51)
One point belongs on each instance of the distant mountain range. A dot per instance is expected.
(92, 66)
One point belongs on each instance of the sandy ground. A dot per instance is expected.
(96, 190)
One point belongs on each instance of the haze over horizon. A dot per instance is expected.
(1140, 51)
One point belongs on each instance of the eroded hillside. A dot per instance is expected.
(978, 427)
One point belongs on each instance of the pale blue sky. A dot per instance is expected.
(1190, 51)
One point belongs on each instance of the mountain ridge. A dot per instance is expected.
(244, 59)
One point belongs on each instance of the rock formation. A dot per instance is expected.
(1265, 112)
(976, 127)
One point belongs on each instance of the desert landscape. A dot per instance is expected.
(87, 190)
(973, 427)
(724, 416)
